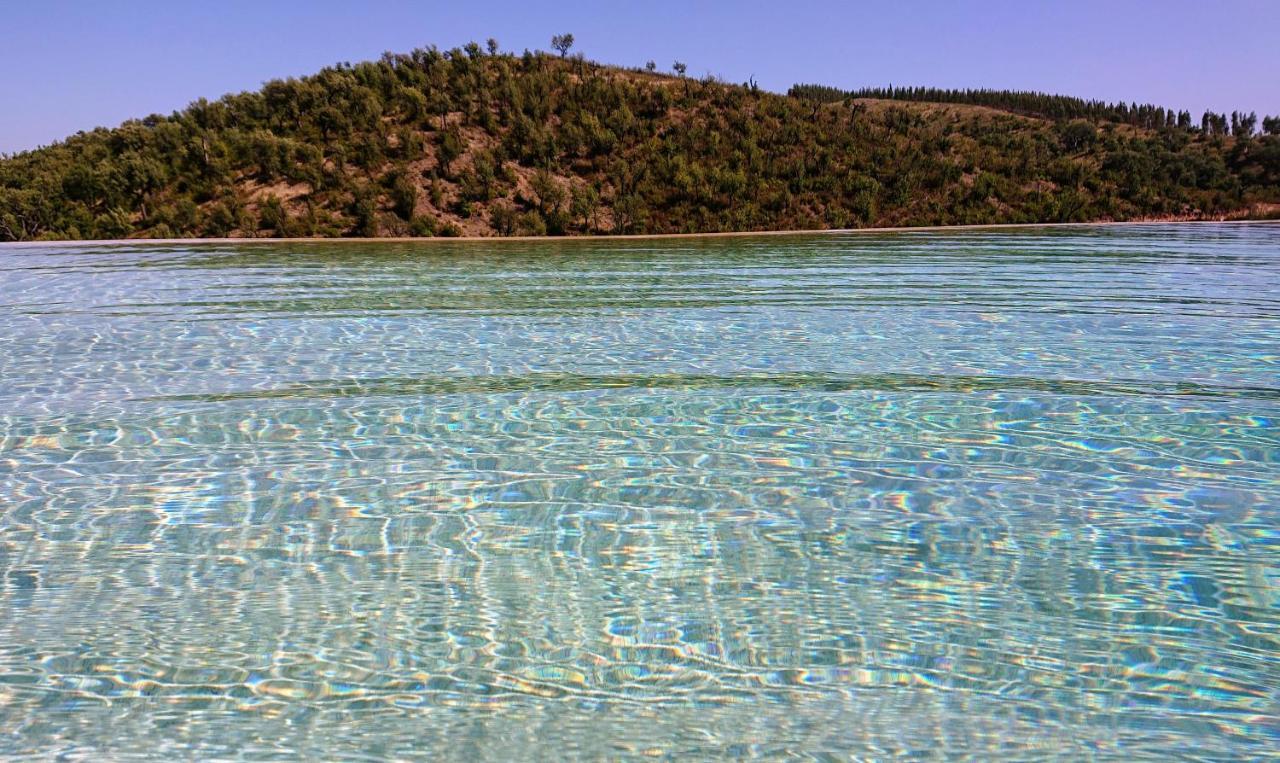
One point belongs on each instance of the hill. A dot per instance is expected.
(476, 142)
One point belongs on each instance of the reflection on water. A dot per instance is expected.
(998, 495)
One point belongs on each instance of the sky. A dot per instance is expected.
(72, 65)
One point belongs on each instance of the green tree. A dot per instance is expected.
(404, 194)
(450, 148)
(1248, 124)
(422, 226)
(504, 218)
(584, 206)
(532, 224)
(364, 210)
(273, 215)
(1078, 135)
(562, 43)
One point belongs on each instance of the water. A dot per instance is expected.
(996, 495)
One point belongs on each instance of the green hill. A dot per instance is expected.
(480, 143)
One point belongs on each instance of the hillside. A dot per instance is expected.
(481, 143)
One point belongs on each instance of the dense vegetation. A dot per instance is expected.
(478, 142)
(1047, 106)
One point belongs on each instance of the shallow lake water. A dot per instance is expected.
(983, 494)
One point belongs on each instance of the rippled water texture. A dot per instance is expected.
(981, 494)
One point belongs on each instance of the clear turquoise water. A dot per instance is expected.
(1009, 495)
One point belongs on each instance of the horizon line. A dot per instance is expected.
(620, 237)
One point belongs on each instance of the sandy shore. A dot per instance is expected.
(629, 237)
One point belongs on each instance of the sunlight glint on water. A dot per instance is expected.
(997, 495)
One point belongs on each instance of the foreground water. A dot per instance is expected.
(996, 495)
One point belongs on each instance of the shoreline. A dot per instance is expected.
(618, 237)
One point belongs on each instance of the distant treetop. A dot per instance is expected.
(563, 43)
(1044, 105)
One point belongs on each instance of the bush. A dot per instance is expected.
(532, 224)
(422, 226)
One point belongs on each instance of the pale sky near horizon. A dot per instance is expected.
(76, 64)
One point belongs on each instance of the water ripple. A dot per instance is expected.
(970, 496)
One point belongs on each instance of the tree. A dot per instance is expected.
(22, 216)
(1077, 135)
(364, 209)
(550, 197)
(680, 68)
(1214, 124)
(274, 216)
(404, 194)
(1248, 123)
(450, 148)
(504, 218)
(651, 67)
(562, 43)
(492, 45)
(1271, 125)
(532, 224)
(583, 206)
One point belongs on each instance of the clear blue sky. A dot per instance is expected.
(75, 64)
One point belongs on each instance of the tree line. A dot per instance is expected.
(1048, 106)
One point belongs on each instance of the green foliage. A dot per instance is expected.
(451, 147)
(562, 43)
(1017, 101)
(274, 217)
(404, 194)
(364, 211)
(532, 224)
(584, 207)
(422, 226)
(473, 141)
(1077, 135)
(504, 219)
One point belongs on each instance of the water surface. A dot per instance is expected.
(996, 495)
